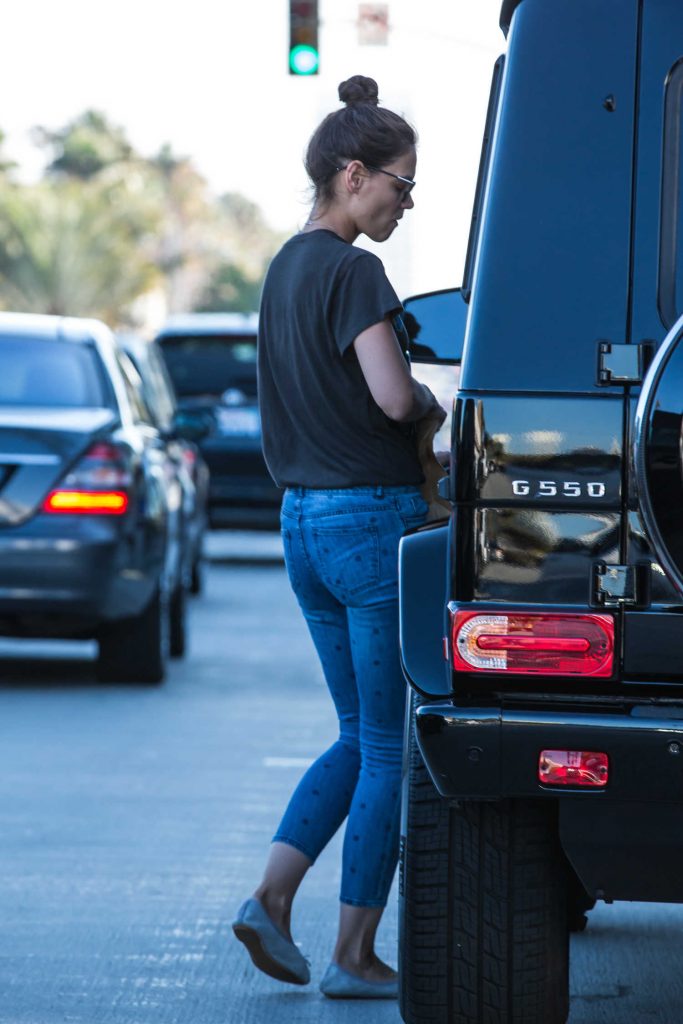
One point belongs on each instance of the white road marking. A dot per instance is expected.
(287, 762)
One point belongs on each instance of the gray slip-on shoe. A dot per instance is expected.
(340, 984)
(270, 950)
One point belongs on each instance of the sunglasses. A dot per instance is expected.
(408, 183)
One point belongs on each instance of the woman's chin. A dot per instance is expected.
(381, 234)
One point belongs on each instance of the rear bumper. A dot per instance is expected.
(63, 578)
(241, 491)
(492, 753)
(247, 517)
(625, 842)
(246, 504)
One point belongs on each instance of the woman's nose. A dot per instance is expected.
(408, 202)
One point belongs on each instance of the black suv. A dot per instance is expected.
(211, 358)
(542, 621)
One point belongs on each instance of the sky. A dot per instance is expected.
(210, 78)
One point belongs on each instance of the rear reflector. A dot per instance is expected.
(91, 502)
(560, 644)
(573, 768)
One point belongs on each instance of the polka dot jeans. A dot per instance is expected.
(341, 551)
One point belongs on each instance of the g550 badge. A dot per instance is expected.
(558, 488)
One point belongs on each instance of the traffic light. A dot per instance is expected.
(304, 58)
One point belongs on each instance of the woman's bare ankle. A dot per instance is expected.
(354, 950)
(368, 967)
(278, 909)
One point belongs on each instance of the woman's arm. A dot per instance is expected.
(388, 377)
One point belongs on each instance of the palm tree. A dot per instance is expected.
(76, 248)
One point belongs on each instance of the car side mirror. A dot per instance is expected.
(191, 426)
(435, 326)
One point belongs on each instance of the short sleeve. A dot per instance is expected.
(362, 297)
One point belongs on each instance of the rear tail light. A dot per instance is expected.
(102, 502)
(189, 458)
(588, 768)
(97, 485)
(561, 644)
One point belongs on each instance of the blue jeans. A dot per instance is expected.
(341, 551)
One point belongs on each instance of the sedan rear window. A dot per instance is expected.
(50, 373)
(210, 365)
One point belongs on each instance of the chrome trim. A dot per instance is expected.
(639, 448)
(29, 460)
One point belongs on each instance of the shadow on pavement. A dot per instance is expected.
(46, 663)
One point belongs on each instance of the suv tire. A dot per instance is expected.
(483, 932)
(133, 650)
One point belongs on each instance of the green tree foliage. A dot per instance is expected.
(185, 240)
(84, 146)
(75, 249)
(244, 247)
(106, 226)
(248, 239)
(229, 290)
(5, 164)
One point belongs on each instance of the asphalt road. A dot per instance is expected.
(134, 820)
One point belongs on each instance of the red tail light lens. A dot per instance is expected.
(189, 458)
(97, 485)
(102, 502)
(528, 644)
(588, 768)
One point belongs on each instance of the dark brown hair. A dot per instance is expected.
(362, 130)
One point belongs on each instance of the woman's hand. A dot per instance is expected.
(435, 412)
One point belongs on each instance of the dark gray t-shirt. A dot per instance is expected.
(321, 426)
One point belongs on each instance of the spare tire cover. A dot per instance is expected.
(658, 454)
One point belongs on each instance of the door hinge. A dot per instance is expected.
(623, 364)
(617, 585)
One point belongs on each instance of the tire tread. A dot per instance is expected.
(484, 937)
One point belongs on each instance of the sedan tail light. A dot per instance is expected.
(189, 458)
(97, 485)
(560, 644)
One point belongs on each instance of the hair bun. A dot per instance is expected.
(359, 89)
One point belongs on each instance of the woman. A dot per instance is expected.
(339, 411)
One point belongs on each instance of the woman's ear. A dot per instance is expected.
(354, 175)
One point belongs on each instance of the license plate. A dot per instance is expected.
(239, 422)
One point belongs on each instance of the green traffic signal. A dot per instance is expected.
(303, 60)
(304, 56)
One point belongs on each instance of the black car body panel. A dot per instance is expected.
(423, 571)
(185, 458)
(38, 446)
(571, 180)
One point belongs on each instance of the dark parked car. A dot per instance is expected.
(90, 501)
(211, 358)
(193, 473)
(542, 621)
